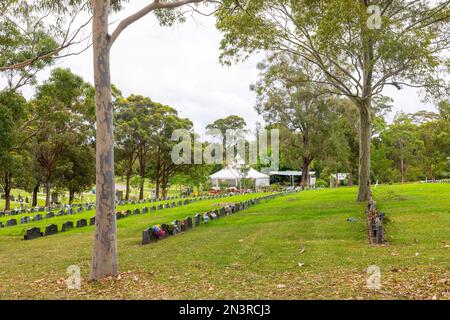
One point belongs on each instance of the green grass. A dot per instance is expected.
(255, 254)
(19, 229)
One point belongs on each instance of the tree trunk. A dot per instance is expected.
(305, 174)
(142, 167)
(47, 193)
(364, 151)
(158, 172)
(7, 190)
(350, 179)
(104, 256)
(127, 190)
(157, 187)
(35, 192)
(71, 196)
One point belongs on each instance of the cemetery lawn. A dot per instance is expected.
(298, 246)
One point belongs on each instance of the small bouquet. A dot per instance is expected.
(158, 231)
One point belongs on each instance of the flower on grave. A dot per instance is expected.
(158, 231)
(205, 218)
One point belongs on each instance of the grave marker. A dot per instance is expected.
(66, 226)
(81, 223)
(11, 222)
(51, 230)
(33, 233)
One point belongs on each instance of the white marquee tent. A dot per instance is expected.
(231, 174)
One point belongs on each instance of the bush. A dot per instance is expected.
(320, 183)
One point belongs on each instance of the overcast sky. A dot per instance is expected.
(178, 66)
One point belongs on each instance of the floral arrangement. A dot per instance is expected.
(158, 231)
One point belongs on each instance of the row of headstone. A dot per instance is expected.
(119, 215)
(157, 233)
(52, 229)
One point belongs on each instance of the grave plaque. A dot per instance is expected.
(11, 222)
(149, 236)
(66, 226)
(145, 210)
(166, 229)
(152, 208)
(92, 221)
(51, 229)
(197, 220)
(81, 223)
(24, 220)
(167, 205)
(49, 215)
(136, 211)
(119, 215)
(33, 233)
(188, 223)
(1, 225)
(37, 217)
(160, 207)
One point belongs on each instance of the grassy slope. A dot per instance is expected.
(256, 253)
(19, 229)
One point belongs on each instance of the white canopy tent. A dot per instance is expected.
(234, 175)
(291, 174)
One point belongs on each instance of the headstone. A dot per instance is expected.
(167, 230)
(188, 223)
(24, 219)
(152, 208)
(180, 203)
(81, 223)
(51, 229)
(136, 211)
(11, 222)
(27, 200)
(66, 226)
(197, 220)
(149, 236)
(167, 205)
(33, 233)
(49, 215)
(145, 210)
(92, 221)
(80, 209)
(119, 215)
(119, 195)
(1, 225)
(160, 207)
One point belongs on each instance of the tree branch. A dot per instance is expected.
(155, 5)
